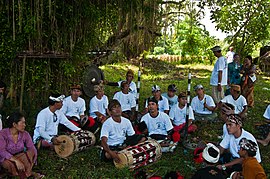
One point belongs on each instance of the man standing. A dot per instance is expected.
(219, 75)
(116, 133)
(48, 119)
(230, 55)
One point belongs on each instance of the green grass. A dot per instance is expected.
(87, 164)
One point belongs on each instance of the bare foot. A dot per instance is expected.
(263, 142)
(37, 175)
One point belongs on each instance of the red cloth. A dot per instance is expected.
(191, 128)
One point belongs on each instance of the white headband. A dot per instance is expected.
(58, 99)
(206, 155)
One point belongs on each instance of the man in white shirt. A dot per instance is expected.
(203, 105)
(48, 120)
(127, 101)
(170, 95)
(230, 55)
(237, 100)
(116, 133)
(158, 123)
(163, 104)
(231, 142)
(99, 104)
(178, 115)
(266, 115)
(129, 78)
(219, 75)
(74, 109)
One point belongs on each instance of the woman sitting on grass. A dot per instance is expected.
(17, 151)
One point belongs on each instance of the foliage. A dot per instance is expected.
(247, 20)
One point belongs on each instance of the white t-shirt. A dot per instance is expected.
(172, 100)
(225, 131)
(158, 125)
(267, 112)
(198, 105)
(163, 104)
(232, 143)
(47, 125)
(116, 132)
(238, 104)
(220, 65)
(178, 115)
(229, 56)
(73, 108)
(127, 101)
(132, 88)
(98, 105)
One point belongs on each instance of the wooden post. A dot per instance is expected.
(22, 84)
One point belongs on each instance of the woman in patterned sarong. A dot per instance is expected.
(248, 80)
(17, 151)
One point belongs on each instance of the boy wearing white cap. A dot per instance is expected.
(163, 103)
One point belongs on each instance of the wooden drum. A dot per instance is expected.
(77, 141)
(140, 155)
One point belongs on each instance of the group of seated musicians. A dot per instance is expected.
(163, 123)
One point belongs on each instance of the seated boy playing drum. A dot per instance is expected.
(116, 133)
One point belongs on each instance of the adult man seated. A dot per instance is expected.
(99, 104)
(116, 133)
(210, 156)
(158, 126)
(127, 101)
(232, 161)
(129, 78)
(251, 167)
(178, 115)
(266, 115)
(236, 99)
(203, 105)
(171, 96)
(163, 104)
(48, 120)
(74, 109)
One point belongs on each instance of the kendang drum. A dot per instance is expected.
(140, 155)
(76, 142)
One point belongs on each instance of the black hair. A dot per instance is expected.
(113, 103)
(236, 54)
(123, 83)
(249, 57)
(55, 95)
(230, 106)
(15, 117)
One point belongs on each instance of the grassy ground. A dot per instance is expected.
(87, 163)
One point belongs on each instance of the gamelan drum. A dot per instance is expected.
(140, 155)
(77, 141)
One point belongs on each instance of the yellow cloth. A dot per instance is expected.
(252, 169)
